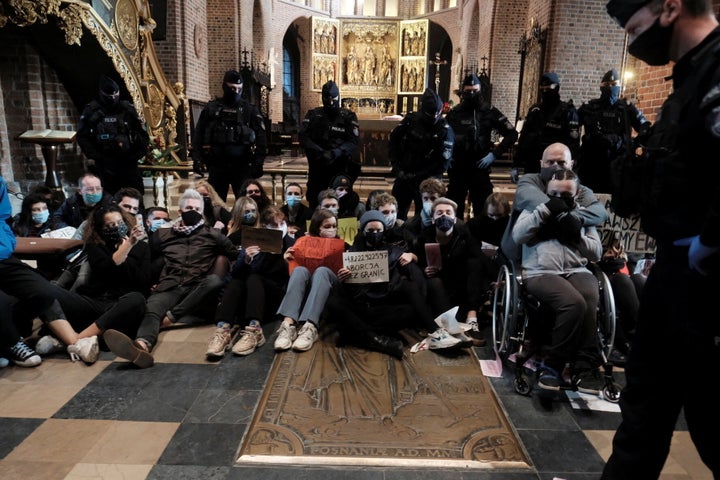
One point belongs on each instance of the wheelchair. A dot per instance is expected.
(514, 310)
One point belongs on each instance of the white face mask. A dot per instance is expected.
(390, 220)
(427, 207)
(328, 232)
(341, 193)
(282, 227)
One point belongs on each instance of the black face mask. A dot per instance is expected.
(374, 239)
(568, 199)
(611, 94)
(191, 218)
(550, 97)
(230, 97)
(653, 45)
(444, 223)
(546, 173)
(471, 99)
(112, 235)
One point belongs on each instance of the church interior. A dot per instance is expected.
(190, 418)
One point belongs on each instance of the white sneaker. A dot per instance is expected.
(48, 345)
(251, 338)
(440, 339)
(220, 341)
(307, 336)
(287, 333)
(85, 349)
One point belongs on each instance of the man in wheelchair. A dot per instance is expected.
(556, 249)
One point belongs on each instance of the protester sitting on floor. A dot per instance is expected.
(394, 233)
(314, 273)
(349, 204)
(243, 214)
(430, 190)
(254, 189)
(489, 227)
(216, 213)
(127, 198)
(258, 283)
(329, 200)
(556, 249)
(188, 283)
(297, 214)
(156, 217)
(34, 220)
(76, 209)
(370, 315)
(113, 296)
(458, 273)
(370, 201)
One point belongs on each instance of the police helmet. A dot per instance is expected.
(622, 10)
(610, 76)
(431, 105)
(549, 78)
(232, 76)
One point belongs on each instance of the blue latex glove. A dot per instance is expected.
(486, 161)
(698, 252)
(514, 177)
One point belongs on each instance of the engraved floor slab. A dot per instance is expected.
(346, 406)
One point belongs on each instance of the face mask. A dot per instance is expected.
(282, 227)
(390, 220)
(373, 238)
(207, 204)
(254, 196)
(653, 45)
(551, 96)
(41, 217)
(191, 218)
(333, 210)
(610, 93)
(155, 224)
(91, 199)
(249, 218)
(291, 200)
(444, 223)
(568, 199)
(328, 232)
(546, 173)
(341, 193)
(113, 235)
(427, 207)
(230, 96)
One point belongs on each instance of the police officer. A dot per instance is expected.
(112, 135)
(607, 124)
(680, 208)
(230, 138)
(550, 121)
(329, 135)
(420, 147)
(473, 121)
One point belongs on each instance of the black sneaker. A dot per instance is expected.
(589, 381)
(550, 379)
(24, 356)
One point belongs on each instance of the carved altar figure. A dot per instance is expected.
(369, 66)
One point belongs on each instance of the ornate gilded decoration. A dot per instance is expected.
(155, 103)
(126, 22)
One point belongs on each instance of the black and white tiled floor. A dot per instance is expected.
(185, 417)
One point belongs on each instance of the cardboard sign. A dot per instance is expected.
(267, 239)
(367, 267)
(626, 230)
(313, 252)
(347, 228)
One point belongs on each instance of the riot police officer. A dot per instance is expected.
(550, 121)
(329, 135)
(473, 121)
(112, 135)
(230, 138)
(607, 124)
(420, 147)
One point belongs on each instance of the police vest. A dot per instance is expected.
(110, 130)
(228, 125)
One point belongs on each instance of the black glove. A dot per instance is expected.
(256, 170)
(570, 226)
(557, 205)
(328, 156)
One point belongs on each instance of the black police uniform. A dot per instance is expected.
(679, 195)
(550, 121)
(420, 147)
(607, 124)
(230, 139)
(473, 122)
(329, 135)
(111, 133)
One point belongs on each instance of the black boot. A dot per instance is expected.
(387, 345)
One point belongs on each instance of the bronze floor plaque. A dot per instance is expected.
(347, 406)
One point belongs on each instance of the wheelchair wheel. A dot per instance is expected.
(611, 393)
(502, 310)
(523, 385)
(606, 314)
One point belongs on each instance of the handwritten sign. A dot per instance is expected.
(267, 239)
(625, 230)
(313, 252)
(367, 267)
(347, 229)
